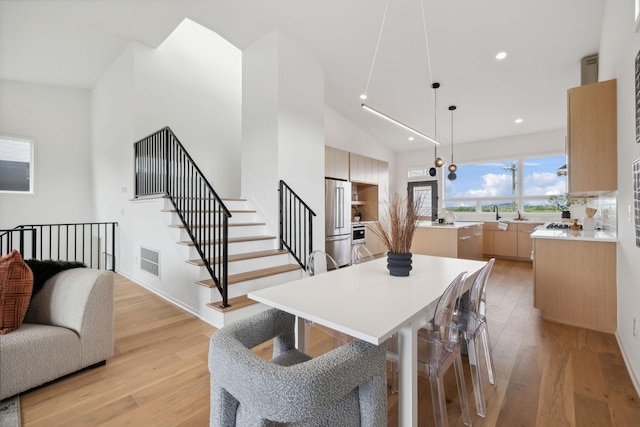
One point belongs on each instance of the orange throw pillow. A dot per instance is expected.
(16, 284)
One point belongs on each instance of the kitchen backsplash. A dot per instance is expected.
(607, 215)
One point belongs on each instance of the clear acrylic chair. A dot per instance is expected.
(473, 324)
(438, 349)
(360, 254)
(320, 262)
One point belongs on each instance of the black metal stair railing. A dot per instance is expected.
(92, 243)
(296, 224)
(164, 167)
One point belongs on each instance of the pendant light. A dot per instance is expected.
(438, 162)
(452, 166)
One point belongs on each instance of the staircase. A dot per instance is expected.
(255, 261)
(227, 241)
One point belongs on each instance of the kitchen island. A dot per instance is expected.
(457, 240)
(574, 277)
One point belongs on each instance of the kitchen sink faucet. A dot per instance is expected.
(495, 209)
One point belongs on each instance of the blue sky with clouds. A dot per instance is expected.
(495, 180)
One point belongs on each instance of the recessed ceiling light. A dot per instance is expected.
(501, 55)
(363, 96)
(410, 138)
(518, 120)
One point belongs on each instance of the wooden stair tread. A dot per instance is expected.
(231, 240)
(243, 256)
(234, 304)
(251, 275)
(238, 224)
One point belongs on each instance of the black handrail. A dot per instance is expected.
(296, 224)
(163, 167)
(92, 243)
(15, 238)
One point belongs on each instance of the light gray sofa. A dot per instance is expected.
(345, 387)
(68, 326)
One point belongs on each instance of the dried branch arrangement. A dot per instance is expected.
(395, 229)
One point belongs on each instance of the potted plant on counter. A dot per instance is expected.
(561, 202)
(395, 230)
(357, 215)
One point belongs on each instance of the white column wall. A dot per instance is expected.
(59, 121)
(619, 45)
(260, 125)
(283, 127)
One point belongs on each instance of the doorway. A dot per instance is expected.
(427, 193)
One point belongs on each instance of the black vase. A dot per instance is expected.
(566, 214)
(399, 264)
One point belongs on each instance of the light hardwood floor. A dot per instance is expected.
(548, 374)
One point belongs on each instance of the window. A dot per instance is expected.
(515, 185)
(16, 165)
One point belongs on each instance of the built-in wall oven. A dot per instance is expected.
(357, 233)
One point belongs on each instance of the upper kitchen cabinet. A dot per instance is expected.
(363, 169)
(336, 163)
(592, 138)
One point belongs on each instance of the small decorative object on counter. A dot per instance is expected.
(589, 223)
(449, 217)
(575, 225)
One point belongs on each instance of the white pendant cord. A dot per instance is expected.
(375, 53)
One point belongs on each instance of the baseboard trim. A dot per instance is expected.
(635, 379)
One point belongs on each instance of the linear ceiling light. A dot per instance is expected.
(375, 54)
(397, 123)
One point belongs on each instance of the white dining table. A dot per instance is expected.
(366, 302)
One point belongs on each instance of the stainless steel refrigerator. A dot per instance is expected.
(337, 204)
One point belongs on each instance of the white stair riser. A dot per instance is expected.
(242, 247)
(236, 217)
(256, 284)
(241, 231)
(218, 319)
(237, 267)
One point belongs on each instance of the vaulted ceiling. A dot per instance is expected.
(71, 43)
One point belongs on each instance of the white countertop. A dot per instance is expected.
(455, 226)
(590, 236)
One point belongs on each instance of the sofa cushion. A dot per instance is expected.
(43, 270)
(36, 354)
(16, 285)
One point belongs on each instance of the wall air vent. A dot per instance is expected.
(589, 69)
(150, 261)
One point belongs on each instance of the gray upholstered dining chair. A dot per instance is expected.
(344, 387)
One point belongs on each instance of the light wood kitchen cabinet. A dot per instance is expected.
(505, 243)
(373, 242)
(367, 170)
(336, 163)
(515, 242)
(592, 138)
(454, 242)
(525, 243)
(575, 282)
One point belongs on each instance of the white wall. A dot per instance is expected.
(619, 45)
(191, 83)
(283, 127)
(59, 120)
